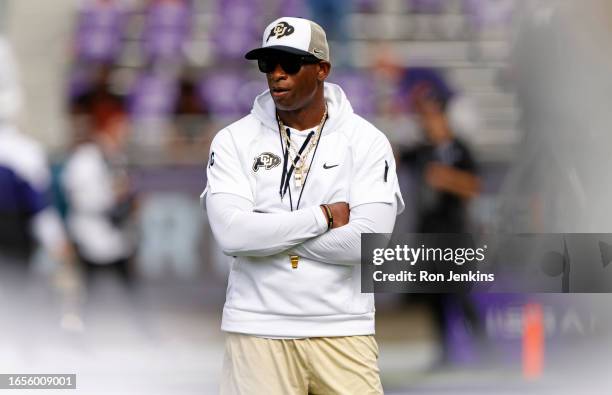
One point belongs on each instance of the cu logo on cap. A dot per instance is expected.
(266, 160)
(281, 30)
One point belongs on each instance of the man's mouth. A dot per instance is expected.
(278, 91)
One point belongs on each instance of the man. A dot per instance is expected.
(97, 188)
(447, 180)
(444, 165)
(291, 187)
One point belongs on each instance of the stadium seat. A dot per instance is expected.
(167, 29)
(230, 94)
(153, 96)
(240, 30)
(99, 30)
(359, 88)
(293, 8)
(486, 13)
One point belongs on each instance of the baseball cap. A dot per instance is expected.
(293, 35)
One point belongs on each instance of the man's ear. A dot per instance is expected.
(324, 70)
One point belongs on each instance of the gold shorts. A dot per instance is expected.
(319, 365)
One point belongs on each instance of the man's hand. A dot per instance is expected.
(340, 211)
(438, 175)
(452, 180)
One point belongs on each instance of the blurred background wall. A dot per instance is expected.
(41, 34)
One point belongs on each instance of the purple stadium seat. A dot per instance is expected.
(295, 8)
(233, 44)
(99, 29)
(230, 94)
(249, 90)
(485, 13)
(153, 96)
(238, 27)
(169, 14)
(359, 88)
(219, 90)
(167, 28)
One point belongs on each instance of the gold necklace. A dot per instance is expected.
(299, 163)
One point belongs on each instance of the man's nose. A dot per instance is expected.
(278, 72)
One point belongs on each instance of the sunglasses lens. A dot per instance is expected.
(266, 65)
(290, 65)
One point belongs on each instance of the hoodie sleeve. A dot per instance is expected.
(374, 178)
(342, 246)
(224, 172)
(242, 232)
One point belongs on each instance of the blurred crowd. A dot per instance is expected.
(150, 82)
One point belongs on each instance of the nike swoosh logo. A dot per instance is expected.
(329, 167)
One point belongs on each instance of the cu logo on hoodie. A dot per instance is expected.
(266, 160)
(281, 30)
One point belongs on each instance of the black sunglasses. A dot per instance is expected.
(290, 64)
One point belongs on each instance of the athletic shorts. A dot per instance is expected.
(319, 365)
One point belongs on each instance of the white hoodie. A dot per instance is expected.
(353, 163)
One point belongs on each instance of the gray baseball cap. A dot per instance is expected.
(294, 35)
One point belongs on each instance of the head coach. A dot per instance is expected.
(290, 189)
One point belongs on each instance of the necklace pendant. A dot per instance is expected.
(294, 259)
(298, 178)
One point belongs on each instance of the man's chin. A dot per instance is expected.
(283, 105)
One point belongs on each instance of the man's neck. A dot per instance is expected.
(304, 118)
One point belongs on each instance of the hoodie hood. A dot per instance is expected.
(338, 108)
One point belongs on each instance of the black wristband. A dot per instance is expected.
(330, 217)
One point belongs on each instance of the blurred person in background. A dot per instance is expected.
(96, 184)
(290, 188)
(27, 217)
(191, 117)
(444, 165)
(446, 178)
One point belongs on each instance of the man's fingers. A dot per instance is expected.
(341, 213)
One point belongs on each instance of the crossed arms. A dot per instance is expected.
(242, 232)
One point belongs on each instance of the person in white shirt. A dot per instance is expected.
(100, 199)
(290, 188)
